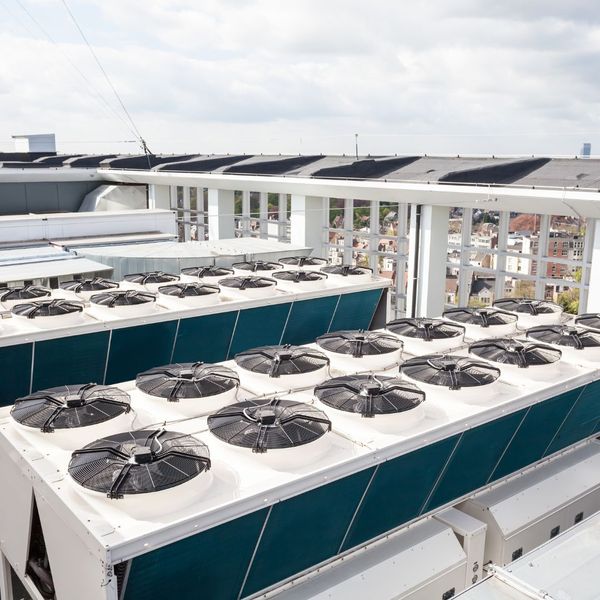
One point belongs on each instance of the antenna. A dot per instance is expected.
(356, 144)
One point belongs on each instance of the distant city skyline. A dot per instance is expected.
(264, 76)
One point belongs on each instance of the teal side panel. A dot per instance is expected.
(15, 372)
(259, 327)
(76, 359)
(305, 530)
(356, 310)
(474, 459)
(581, 421)
(209, 565)
(398, 491)
(309, 319)
(535, 433)
(135, 349)
(204, 339)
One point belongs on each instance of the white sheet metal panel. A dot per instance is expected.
(53, 268)
(493, 589)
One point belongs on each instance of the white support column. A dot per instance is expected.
(593, 298)
(348, 229)
(307, 222)
(159, 196)
(373, 233)
(173, 197)
(427, 268)
(263, 213)
(542, 253)
(221, 222)
(501, 257)
(245, 214)
(282, 209)
(6, 588)
(465, 271)
(186, 214)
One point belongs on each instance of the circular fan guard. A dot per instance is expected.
(139, 462)
(151, 277)
(425, 329)
(187, 380)
(211, 271)
(300, 276)
(522, 354)
(47, 308)
(578, 338)
(359, 343)
(591, 320)
(369, 396)
(256, 265)
(89, 285)
(70, 407)
(243, 283)
(275, 361)
(25, 292)
(346, 270)
(453, 372)
(187, 290)
(484, 317)
(269, 424)
(303, 261)
(122, 298)
(528, 306)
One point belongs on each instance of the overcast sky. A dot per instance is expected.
(466, 76)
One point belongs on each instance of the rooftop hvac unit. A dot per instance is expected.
(238, 288)
(128, 467)
(190, 389)
(259, 267)
(339, 273)
(532, 312)
(50, 313)
(424, 335)
(210, 274)
(86, 288)
(352, 351)
(122, 303)
(73, 414)
(282, 367)
(576, 343)
(310, 263)
(286, 434)
(591, 320)
(300, 281)
(10, 297)
(483, 322)
(150, 280)
(391, 404)
(188, 295)
(437, 372)
(519, 357)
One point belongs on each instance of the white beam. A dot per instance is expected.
(159, 196)
(306, 222)
(221, 223)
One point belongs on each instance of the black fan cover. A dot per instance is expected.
(255, 266)
(527, 306)
(47, 308)
(303, 261)
(25, 292)
(565, 335)
(281, 360)
(369, 395)
(484, 317)
(122, 298)
(359, 343)
(187, 380)
(70, 407)
(97, 284)
(453, 372)
(299, 276)
(269, 424)
(346, 270)
(244, 283)
(187, 290)
(520, 353)
(591, 320)
(211, 271)
(425, 329)
(151, 277)
(139, 462)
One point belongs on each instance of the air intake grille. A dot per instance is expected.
(519, 353)
(281, 360)
(425, 329)
(359, 343)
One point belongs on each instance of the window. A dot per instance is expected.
(578, 518)
(517, 553)
(554, 531)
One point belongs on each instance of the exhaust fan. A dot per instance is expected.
(150, 280)
(123, 303)
(532, 312)
(247, 287)
(483, 322)
(50, 313)
(189, 295)
(86, 288)
(10, 297)
(304, 262)
(255, 266)
(591, 320)
(422, 335)
(297, 281)
(575, 342)
(340, 272)
(210, 274)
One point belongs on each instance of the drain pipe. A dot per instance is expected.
(416, 257)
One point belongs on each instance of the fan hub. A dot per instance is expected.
(371, 388)
(141, 455)
(263, 415)
(74, 401)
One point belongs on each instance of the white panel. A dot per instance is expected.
(306, 221)
(221, 224)
(593, 303)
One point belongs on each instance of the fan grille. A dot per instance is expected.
(70, 407)
(425, 329)
(368, 395)
(187, 290)
(187, 380)
(256, 266)
(122, 298)
(139, 462)
(269, 424)
(528, 306)
(47, 308)
(300, 276)
(453, 372)
(25, 292)
(346, 270)
(244, 283)
(303, 261)
(484, 317)
(151, 277)
(89, 285)
(591, 320)
(211, 271)
(565, 335)
(522, 354)
(281, 360)
(359, 343)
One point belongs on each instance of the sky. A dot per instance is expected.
(511, 77)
